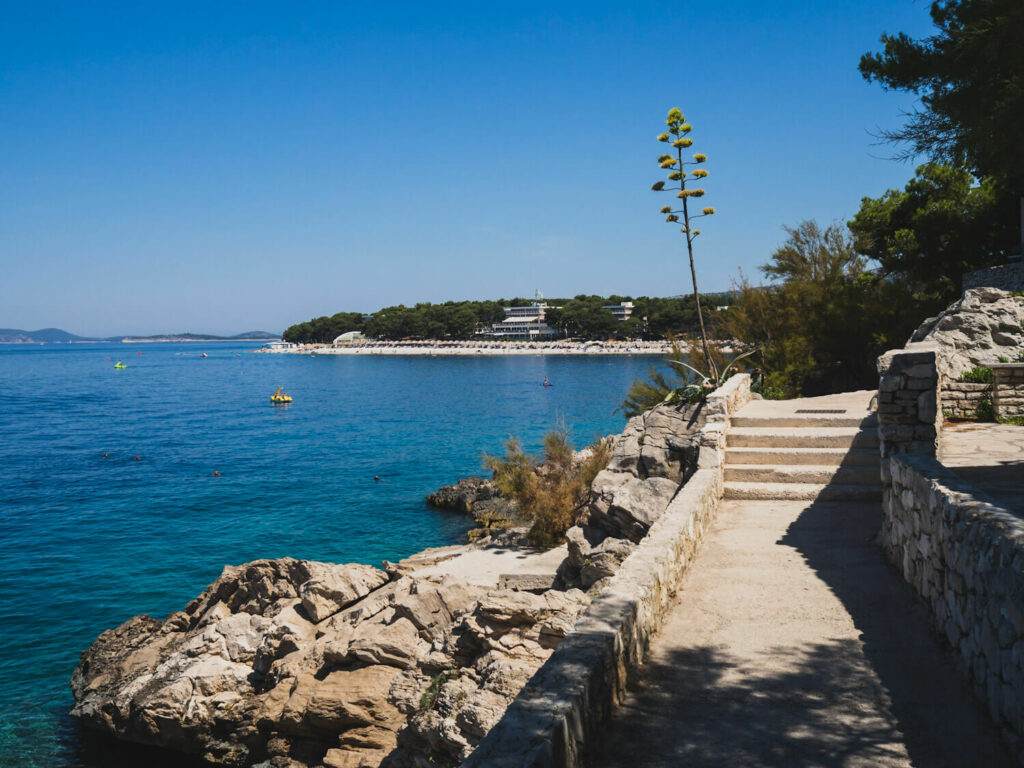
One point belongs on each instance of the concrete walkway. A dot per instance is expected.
(793, 643)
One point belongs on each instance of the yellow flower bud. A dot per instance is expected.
(663, 137)
(700, 173)
(698, 193)
(684, 143)
(685, 127)
(675, 115)
(667, 209)
(663, 158)
(668, 163)
(673, 217)
(700, 158)
(708, 211)
(675, 176)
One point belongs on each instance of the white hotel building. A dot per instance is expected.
(527, 323)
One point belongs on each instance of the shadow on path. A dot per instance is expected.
(889, 695)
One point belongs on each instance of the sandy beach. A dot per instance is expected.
(453, 348)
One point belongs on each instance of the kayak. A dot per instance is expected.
(280, 399)
(120, 365)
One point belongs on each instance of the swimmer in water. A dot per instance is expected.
(137, 457)
(376, 478)
(216, 473)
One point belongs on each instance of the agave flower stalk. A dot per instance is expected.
(677, 137)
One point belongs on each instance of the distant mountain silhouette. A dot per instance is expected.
(56, 335)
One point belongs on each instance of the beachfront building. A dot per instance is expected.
(622, 311)
(349, 337)
(521, 324)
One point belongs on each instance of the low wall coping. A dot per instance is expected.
(972, 502)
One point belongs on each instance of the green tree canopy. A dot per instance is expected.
(821, 328)
(970, 78)
(939, 226)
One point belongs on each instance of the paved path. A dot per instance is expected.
(988, 456)
(793, 643)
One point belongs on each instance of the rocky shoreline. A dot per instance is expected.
(291, 663)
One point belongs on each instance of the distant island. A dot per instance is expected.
(58, 336)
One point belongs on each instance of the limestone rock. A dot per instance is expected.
(604, 560)
(289, 663)
(464, 495)
(662, 442)
(626, 506)
(331, 588)
(975, 331)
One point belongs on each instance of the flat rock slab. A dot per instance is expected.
(527, 582)
(793, 643)
(486, 566)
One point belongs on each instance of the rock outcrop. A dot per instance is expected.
(464, 495)
(655, 454)
(975, 331)
(290, 663)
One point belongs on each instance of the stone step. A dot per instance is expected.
(832, 457)
(794, 437)
(802, 491)
(805, 473)
(808, 421)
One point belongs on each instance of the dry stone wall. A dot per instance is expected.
(1008, 389)
(908, 393)
(1008, 277)
(964, 556)
(555, 717)
(962, 399)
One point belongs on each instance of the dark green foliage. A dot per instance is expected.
(644, 395)
(581, 317)
(821, 328)
(970, 78)
(941, 225)
(985, 411)
(978, 375)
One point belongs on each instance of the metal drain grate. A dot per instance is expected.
(812, 410)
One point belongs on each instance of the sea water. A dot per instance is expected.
(109, 506)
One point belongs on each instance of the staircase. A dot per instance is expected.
(803, 456)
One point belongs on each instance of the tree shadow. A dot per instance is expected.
(890, 697)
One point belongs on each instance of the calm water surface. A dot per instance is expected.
(87, 542)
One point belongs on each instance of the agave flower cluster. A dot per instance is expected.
(677, 137)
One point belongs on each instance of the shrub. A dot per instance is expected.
(551, 492)
(977, 375)
(985, 411)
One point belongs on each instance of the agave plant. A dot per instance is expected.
(707, 382)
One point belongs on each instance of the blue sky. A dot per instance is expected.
(222, 167)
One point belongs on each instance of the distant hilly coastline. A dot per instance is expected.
(58, 336)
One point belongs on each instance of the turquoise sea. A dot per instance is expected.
(90, 535)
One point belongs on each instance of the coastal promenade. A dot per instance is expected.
(792, 640)
(470, 348)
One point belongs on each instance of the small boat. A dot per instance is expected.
(120, 365)
(280, 396)
(203, 354)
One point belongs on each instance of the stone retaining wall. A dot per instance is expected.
(961, 399)
(1008, 277)
(556, 716)
(908, 393)
(1008, 389)
(964, 556)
